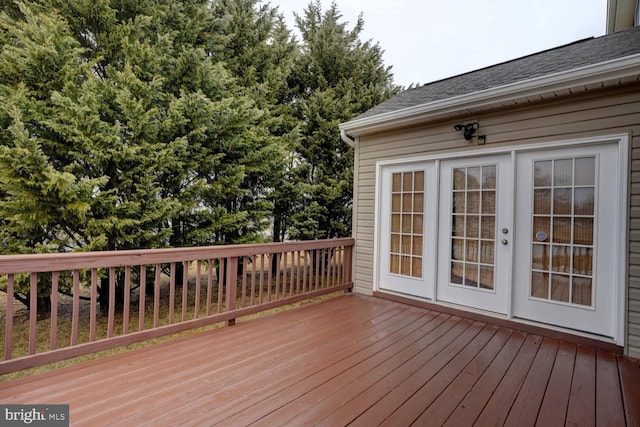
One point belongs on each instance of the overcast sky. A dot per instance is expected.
(428, 40)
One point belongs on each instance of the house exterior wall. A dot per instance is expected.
(605, 112)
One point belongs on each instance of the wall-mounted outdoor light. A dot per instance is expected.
(469, 129)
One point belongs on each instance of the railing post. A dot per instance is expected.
(230, 284)
(347, 271)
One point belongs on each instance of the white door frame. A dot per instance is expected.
(622, 140)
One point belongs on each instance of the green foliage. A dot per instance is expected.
(336, 77)
(176, 123)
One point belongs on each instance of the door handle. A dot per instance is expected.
(504, 241)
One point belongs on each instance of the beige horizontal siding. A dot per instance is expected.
(589, 114)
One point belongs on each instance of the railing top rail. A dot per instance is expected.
(35, 263)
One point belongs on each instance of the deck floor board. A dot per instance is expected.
(351, 360)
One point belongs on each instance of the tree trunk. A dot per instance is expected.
(150, 281)
(103, 294)
(43, 304)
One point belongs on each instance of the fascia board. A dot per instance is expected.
(613, 69)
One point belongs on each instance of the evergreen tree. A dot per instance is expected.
(336, 77)
(121, 106)
(258, 49)
(175, 123)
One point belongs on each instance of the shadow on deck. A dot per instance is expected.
(349, 360)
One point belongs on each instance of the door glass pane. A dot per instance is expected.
(395, 203)
(560, 260)
(585, 171)
(417, 246)
(418, 224)
(486, 252)
(394, 266)
(471, 275)
(407, 223)
(407, 180)
(583, 231)
(473, 219)
(581, 291)
(457, 271)
(418, 181)
(486, 277)
(395, 243)
(473, 201)
(561, 230)
(473, 178)
(539, 285)
(418, 202)
(488, 227)
(562, 201)
(489, 202)
(542, 201)
(562, 172)
(489, 177)
(540, 257)
(542, 174)
(560, 287)
(563, 224)
(457, 226)
(459, 179)
(583, 201)
(473, 224)
(472, 251)
(395, 223)
(396, 183)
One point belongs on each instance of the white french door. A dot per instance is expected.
(406, 225)
(567, 248)
(534, 233)
(475, 237)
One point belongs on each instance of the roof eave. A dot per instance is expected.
(577, 77)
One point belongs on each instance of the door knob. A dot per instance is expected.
(505, 241)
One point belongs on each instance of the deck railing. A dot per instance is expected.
(146, 294)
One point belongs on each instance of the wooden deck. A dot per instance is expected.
(349, 360)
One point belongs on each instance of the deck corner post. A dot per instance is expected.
(348, 267)
(231, 281)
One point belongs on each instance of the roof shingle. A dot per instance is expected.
(564, 58)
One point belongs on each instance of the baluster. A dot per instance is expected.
(127, 299)
(33, 312)
(112, 301)
(53, 337)
(8, 335)
(209, 285)
(94, 301)
(185, 289)
(196, 312)
(156, 296)
(172, 291)
(76, 307)
(142, 297)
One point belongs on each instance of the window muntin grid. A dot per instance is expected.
(407, 223)
(473, 227)
(563, 230)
